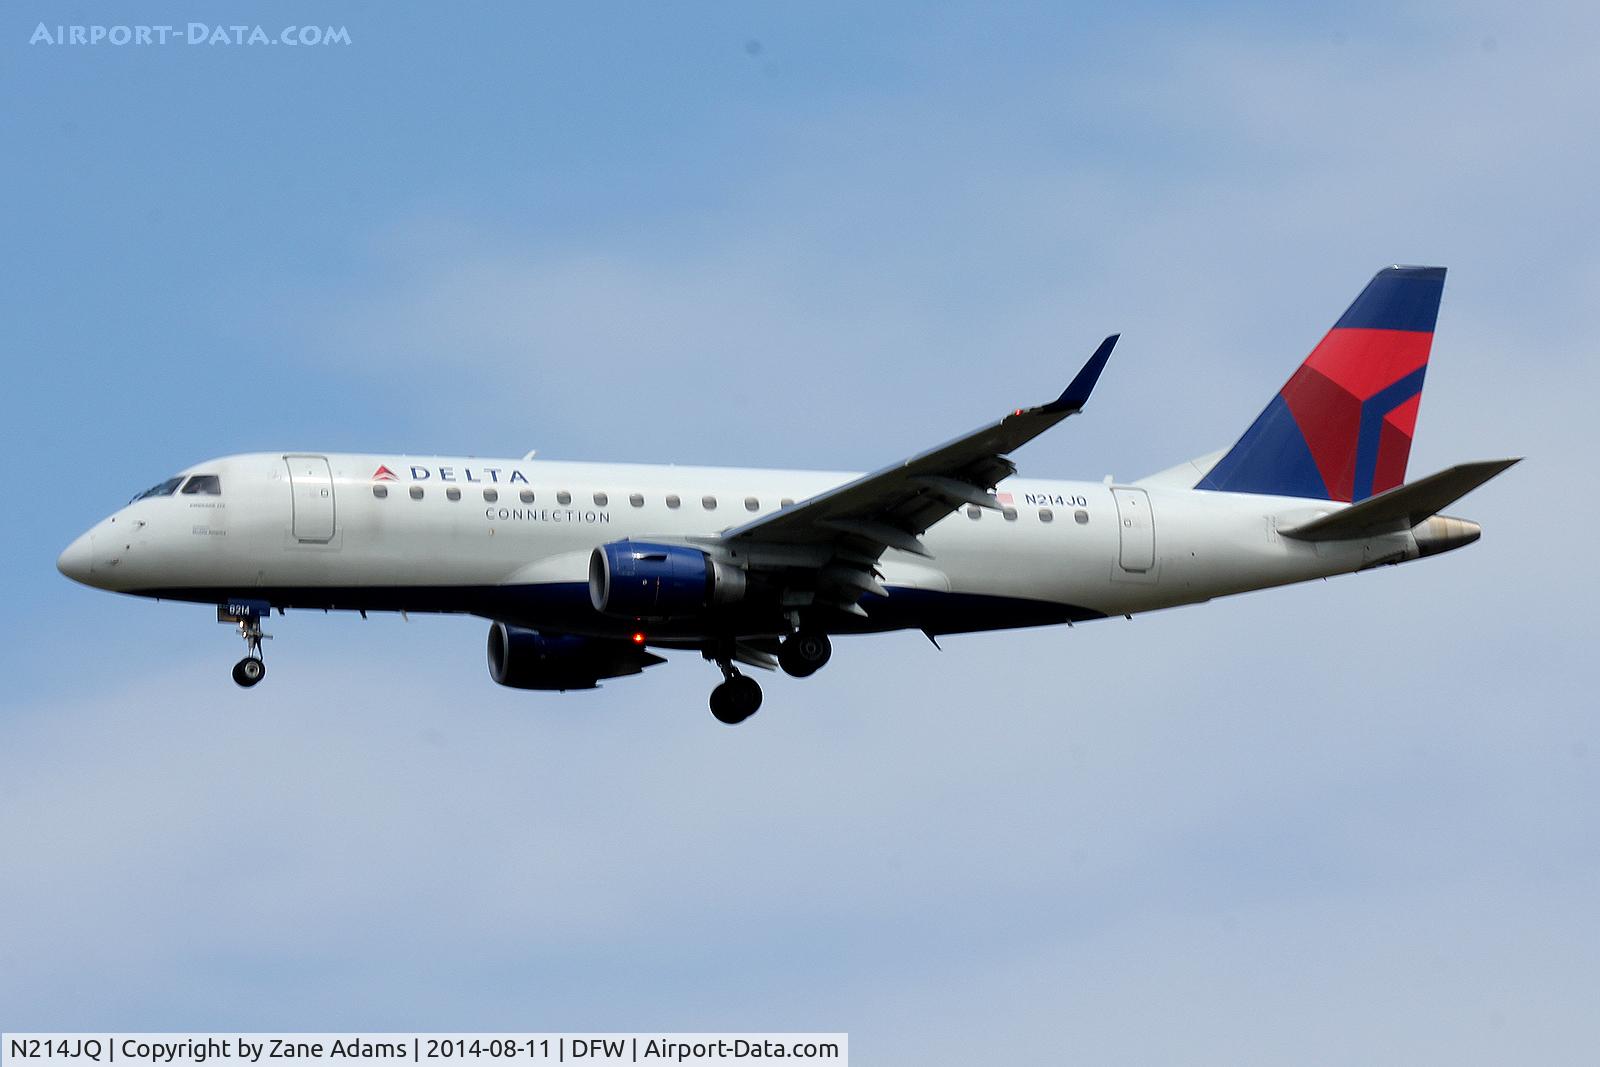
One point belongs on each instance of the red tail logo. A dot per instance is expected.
(1341, 428)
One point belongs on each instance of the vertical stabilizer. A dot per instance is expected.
(1341, 428)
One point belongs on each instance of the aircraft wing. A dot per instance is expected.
(855, 523)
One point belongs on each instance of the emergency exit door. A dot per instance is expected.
(1137, 530)
(312, 484)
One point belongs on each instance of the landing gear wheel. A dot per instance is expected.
(804, 653)
(735, 700)
(249, 671)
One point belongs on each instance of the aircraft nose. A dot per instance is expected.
(77, 561)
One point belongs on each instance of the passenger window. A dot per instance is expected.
(974, 512)
(1046, 515)
(786, 502)
(709, 503)
(752, 504)
(673, 501)
(1081, 517)
(1009, 513)
(491, 495)
(452, 493)
(637, 500)
(526, 496)
(563, 497)
(601, 500)
(416, 492)
(380, 491)
(203, 485)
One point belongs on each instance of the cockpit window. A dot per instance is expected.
(204, 485)
(166, 488)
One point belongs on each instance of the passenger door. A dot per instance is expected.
(1137, 530)
(312, 483)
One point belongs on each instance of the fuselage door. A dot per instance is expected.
(312, 483)
(1137, 530)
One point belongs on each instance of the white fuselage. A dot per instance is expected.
(512, 539)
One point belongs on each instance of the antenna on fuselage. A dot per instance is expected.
(529, 454)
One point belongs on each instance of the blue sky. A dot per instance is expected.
(1350, 821)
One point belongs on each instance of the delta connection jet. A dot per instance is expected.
(587, 571)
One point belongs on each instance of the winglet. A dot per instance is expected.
(1077, 394)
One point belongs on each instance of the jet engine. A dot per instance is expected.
(528, 659)
(646, 581)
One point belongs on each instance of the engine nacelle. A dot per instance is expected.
(647, 581)
(528, 659)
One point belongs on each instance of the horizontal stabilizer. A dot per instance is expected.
(1402, 507)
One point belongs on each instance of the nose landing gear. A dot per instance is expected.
(250, 670)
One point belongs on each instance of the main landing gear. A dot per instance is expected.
(804, 653)
(737, 698)
(250, 670)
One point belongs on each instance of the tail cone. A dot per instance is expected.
(1440, 533)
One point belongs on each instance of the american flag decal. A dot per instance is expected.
(383, 474)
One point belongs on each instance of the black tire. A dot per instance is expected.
(746, 696)
(248, 671)
(722, 706)
(804, 653)
(735, 700)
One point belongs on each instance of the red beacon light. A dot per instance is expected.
(638, 637)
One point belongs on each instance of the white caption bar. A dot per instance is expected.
(462, 1050)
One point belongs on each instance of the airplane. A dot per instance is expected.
(586, 571)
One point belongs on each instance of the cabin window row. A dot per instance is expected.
(526, 496)
(1080, 516)
(709, 503)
